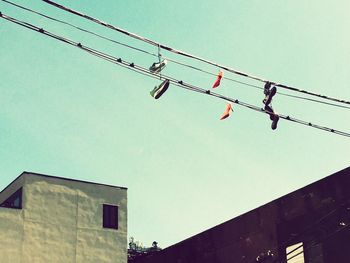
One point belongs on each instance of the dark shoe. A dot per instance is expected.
(270, 111)
(267, 88)
(158, 91)
(270, 95)
(274, 122)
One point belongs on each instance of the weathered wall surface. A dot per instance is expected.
(11, 232)
(61, 221)
(48, 243)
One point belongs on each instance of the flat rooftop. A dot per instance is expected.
(25, 173)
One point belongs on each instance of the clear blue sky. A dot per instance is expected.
(66, 113)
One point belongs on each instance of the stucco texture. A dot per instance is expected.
(61, 221)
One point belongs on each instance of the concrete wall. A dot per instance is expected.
(11, 235)
(61, 221)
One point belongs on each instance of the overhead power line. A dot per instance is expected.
(77, 27)
(169, 59)
(170, 49)
(179, 83)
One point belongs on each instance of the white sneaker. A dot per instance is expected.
(158, 66)
(158, 91)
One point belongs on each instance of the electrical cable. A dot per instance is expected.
(169, 59)
(175, 82)
(79, 28)
(258, 87)
(149, 41)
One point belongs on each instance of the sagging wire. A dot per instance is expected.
(165, 58)
(154, 43)
(79, 28)
(174, 81)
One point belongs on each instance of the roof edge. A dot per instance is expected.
(14, 180)
(72, 180)
(24, 173)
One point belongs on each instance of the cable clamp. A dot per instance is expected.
(80, 45)
(41, 30)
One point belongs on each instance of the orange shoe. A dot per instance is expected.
(227, 111)
(218, 79)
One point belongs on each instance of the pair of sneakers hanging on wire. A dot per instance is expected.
(269, 93)
(156, 68)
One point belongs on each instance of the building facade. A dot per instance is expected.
(52, 219)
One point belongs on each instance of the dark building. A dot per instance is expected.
(309, 225)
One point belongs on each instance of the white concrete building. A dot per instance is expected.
(52, 219)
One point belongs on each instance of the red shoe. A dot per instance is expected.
(218, 79)
(227, 111)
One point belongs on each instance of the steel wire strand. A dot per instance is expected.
(172, 80)
(169, 59)
(159, 45)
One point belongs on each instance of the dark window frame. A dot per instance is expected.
(14, 201)
(110, 216)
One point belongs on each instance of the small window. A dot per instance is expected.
(295, 253)
(110, 216)
(14, 201)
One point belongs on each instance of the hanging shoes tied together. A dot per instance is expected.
(227, 111)
(269, 93)
(218, 79)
